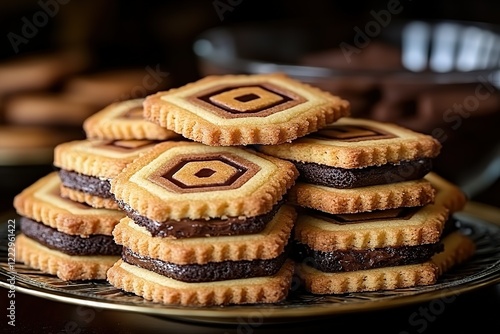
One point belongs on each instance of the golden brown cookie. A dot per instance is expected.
(357, 143)
(158, 288)
(457, 248)
(381, 228)
(43, 202)
(124, 120)
(64, 266)
(244, 109)
(177, 180)
(377, 197)
(87, 166)
(264, 245)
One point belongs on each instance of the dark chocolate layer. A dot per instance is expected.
(351, 260)
(69, 244)
(362, 177)
(187, 228)
(210, 272)
(88, 184)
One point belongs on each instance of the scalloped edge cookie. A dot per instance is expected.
(64, 266)
(43, 202)
(158, 288)
(458, 248)
(113, 122)
(391, 144)
(267, 244)
(379, 197)
(183, 111)
(263, 184)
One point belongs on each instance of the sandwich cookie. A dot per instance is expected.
(384, 249)
(358, 165)
(87, 166)
(206, 225)
(65, 238)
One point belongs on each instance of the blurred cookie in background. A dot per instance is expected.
(47, 109)
(105, 87)
(40, 71)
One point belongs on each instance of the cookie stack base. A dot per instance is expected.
(458, 248)
(64, 266)
(158, 288)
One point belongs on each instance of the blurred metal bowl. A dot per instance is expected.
(434, 52)
(437, 66)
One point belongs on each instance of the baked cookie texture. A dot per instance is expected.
(124, 120)
(212, 192)
(176, 180)
(386, 233)
(87, 166)
(62, 237)
(234, 110)
(185, 184)
(357, 143)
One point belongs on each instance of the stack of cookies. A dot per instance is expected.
(207, 220)
(372, 214)
(217, 192)
(68, 216)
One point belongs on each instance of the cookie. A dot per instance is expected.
(381, 228)
(62, 237)
(47, 109)
(206, 225)
(124, 121)
(232, 110)
(42, 202)
(377, 197)
(89, 245)
(457, 249)
(177, 180)
(158, 288)
(87, 166)
(266, 244)
(64, 266)
(352, 143)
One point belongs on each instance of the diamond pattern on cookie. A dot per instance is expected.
(235, 110)
(178, 180)
(258, 100)
(204, 172)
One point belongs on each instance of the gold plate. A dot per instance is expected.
(481, 223)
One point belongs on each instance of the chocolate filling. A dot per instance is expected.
(85, 183)
(69, 244)
(187, 228)
(210, 272)
(362, 177)
(352, 260)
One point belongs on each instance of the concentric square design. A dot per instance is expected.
(204, 172)
(256, 100)
(351, 133)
